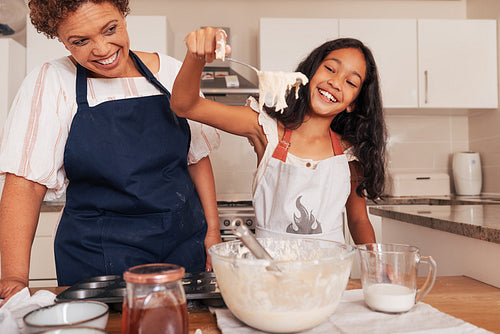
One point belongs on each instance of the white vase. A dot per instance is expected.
(467, 173)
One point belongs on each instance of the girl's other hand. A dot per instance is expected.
(210, 240)
(202, 43)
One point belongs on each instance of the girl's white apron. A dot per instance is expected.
(296, 201)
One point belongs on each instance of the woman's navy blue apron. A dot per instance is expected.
(130, 198)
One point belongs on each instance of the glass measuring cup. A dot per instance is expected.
(389, 276)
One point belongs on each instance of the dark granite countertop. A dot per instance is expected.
(437, 200)
(471, 216)
(57, 205)
(480, 221)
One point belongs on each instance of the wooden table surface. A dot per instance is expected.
(459, 296)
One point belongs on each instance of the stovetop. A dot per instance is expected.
(240, 212)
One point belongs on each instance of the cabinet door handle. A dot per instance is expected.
(426, 75)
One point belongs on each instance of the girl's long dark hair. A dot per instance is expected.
(363, 127)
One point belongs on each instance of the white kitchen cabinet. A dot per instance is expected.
(431, 63)
(377, 228)
(42, 265)
(425, 63)
(285, 42)
(146, 33)
(457, 63)
(13, 70)
(394, 47)
(376, 224)
(454, 254)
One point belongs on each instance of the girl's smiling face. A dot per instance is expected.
(337, 81)
(96, 35)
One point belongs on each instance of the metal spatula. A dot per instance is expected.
(248, 239)
(243, 63)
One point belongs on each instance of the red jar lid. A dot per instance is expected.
(154, 273)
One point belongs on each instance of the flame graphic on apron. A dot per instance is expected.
(306, 223)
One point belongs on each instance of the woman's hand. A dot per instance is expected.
(9, 287)
(203, 43)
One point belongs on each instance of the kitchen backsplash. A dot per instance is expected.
(484, 137)
(425, 143)
(484, 134)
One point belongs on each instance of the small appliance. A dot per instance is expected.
(467, 173)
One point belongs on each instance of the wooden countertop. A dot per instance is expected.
(459, 296)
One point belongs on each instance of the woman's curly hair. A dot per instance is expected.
(364, 127)
(47, 15)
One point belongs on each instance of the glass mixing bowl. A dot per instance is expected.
(299, 291)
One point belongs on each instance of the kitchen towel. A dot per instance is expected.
(12, 313)
(353, 316)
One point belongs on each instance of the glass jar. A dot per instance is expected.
(155, 301)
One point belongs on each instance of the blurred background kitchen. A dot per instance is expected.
(438, 62)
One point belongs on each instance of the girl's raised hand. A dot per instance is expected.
(202, 43)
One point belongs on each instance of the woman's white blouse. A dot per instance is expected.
(34, 137)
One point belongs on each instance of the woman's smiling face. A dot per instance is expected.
(337, 81)
(96, 35)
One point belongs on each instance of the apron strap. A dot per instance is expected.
(147, 74)
(337, 148)
(81, 80)
(81, 86)
(281, 150)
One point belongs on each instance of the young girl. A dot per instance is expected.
(324, 152)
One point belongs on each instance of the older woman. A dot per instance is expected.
(98, 125)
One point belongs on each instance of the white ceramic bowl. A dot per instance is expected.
(305, 292)
(68, 314)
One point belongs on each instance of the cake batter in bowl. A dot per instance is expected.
(307, 290)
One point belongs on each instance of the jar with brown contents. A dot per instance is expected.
(155, 301)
